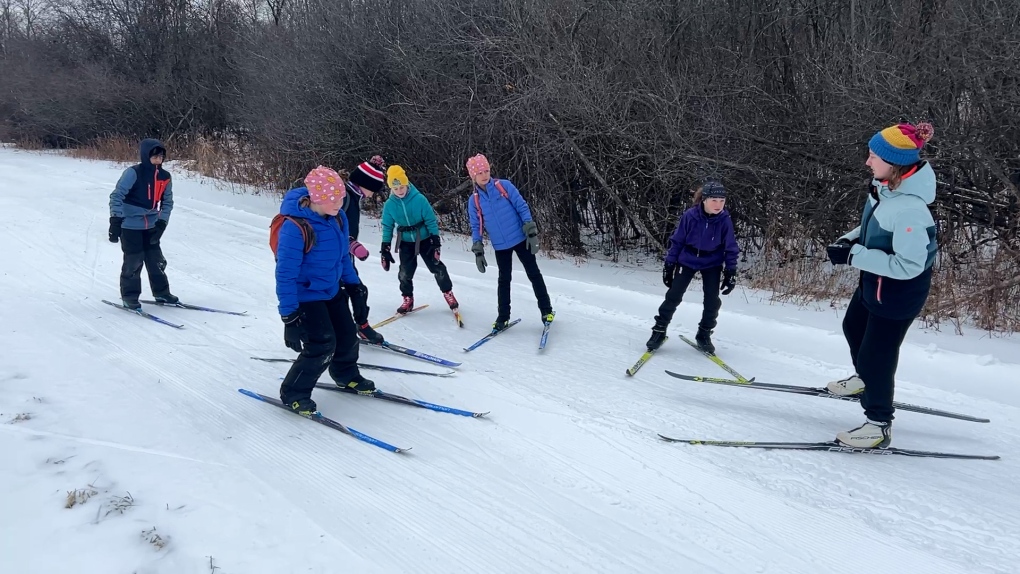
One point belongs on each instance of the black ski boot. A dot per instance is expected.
(132, 303)
(704, 339)
(369, 334)
(303, 407)
(167, 298)
(358, 384)
(658, 336)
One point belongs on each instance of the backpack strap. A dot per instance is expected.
(478, 204)
(307, 232)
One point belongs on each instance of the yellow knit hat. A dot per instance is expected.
(395, 176)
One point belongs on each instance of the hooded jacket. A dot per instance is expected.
(702, 241)
(316, 275)
(143, 194)
(896, 245)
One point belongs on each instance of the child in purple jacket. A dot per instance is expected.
(703, 241)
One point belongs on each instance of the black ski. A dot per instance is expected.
(367, 366)
(822, 392)
(831, 447)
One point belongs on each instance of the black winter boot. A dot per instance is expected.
(657, 338)
(704, 339)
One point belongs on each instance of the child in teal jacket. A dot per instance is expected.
(417, 234)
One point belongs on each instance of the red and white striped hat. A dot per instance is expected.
(370, 175)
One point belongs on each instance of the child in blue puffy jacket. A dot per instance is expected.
(497, 208)
(703, 242)
(313, 262)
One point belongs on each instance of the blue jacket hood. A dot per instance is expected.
(145, 149)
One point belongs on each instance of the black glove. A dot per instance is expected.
(479, 250)
(839, 252)
(668, 271)
(358, 294)
(530, 229)
(115, 223)
(386, 257)
(729, 281)
(435, 247)
(294, 332)
(157, 231)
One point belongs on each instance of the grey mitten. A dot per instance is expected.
(479, 250)
(531, 230)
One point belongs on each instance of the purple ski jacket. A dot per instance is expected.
(703, 241)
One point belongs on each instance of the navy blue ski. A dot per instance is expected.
(412, 353)
(142, 313)
(193, 307)
(403, 400)
(490, 336)
(319, 418)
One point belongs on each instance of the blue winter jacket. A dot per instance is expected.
(503, 216)
(702, 241)
(144, 193)
(896, 245)
(316, 275)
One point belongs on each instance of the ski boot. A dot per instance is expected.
(167, 298)
(304, 407)
(369, 334)
(871, 434)
(852, 385)
(704, 340)
(500, 325)
(451, 300)
(406, 306)
(358, 384)
(657, 338)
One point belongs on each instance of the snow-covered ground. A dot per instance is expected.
(175, 472)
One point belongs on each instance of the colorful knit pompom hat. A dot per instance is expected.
(901, 144)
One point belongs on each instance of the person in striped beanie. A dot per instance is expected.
(365, 181)
(894, 247)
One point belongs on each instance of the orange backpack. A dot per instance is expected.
(306, 231)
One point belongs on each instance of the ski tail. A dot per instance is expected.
(642, 360)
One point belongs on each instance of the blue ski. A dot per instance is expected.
(145, 314)
(489, 337)
(545, 332)
(403, 400)
(412, 353)
(319, 418)
(194, 307)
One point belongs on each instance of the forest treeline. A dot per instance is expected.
(606, 113)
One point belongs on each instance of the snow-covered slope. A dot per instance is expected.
(144, 425)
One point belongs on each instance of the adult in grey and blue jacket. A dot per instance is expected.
(895, 248)
(140, 207)
(497, 208)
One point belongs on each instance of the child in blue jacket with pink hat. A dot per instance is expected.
(703, 242)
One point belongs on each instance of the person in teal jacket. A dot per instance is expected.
(417, 234)
(894, 247)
